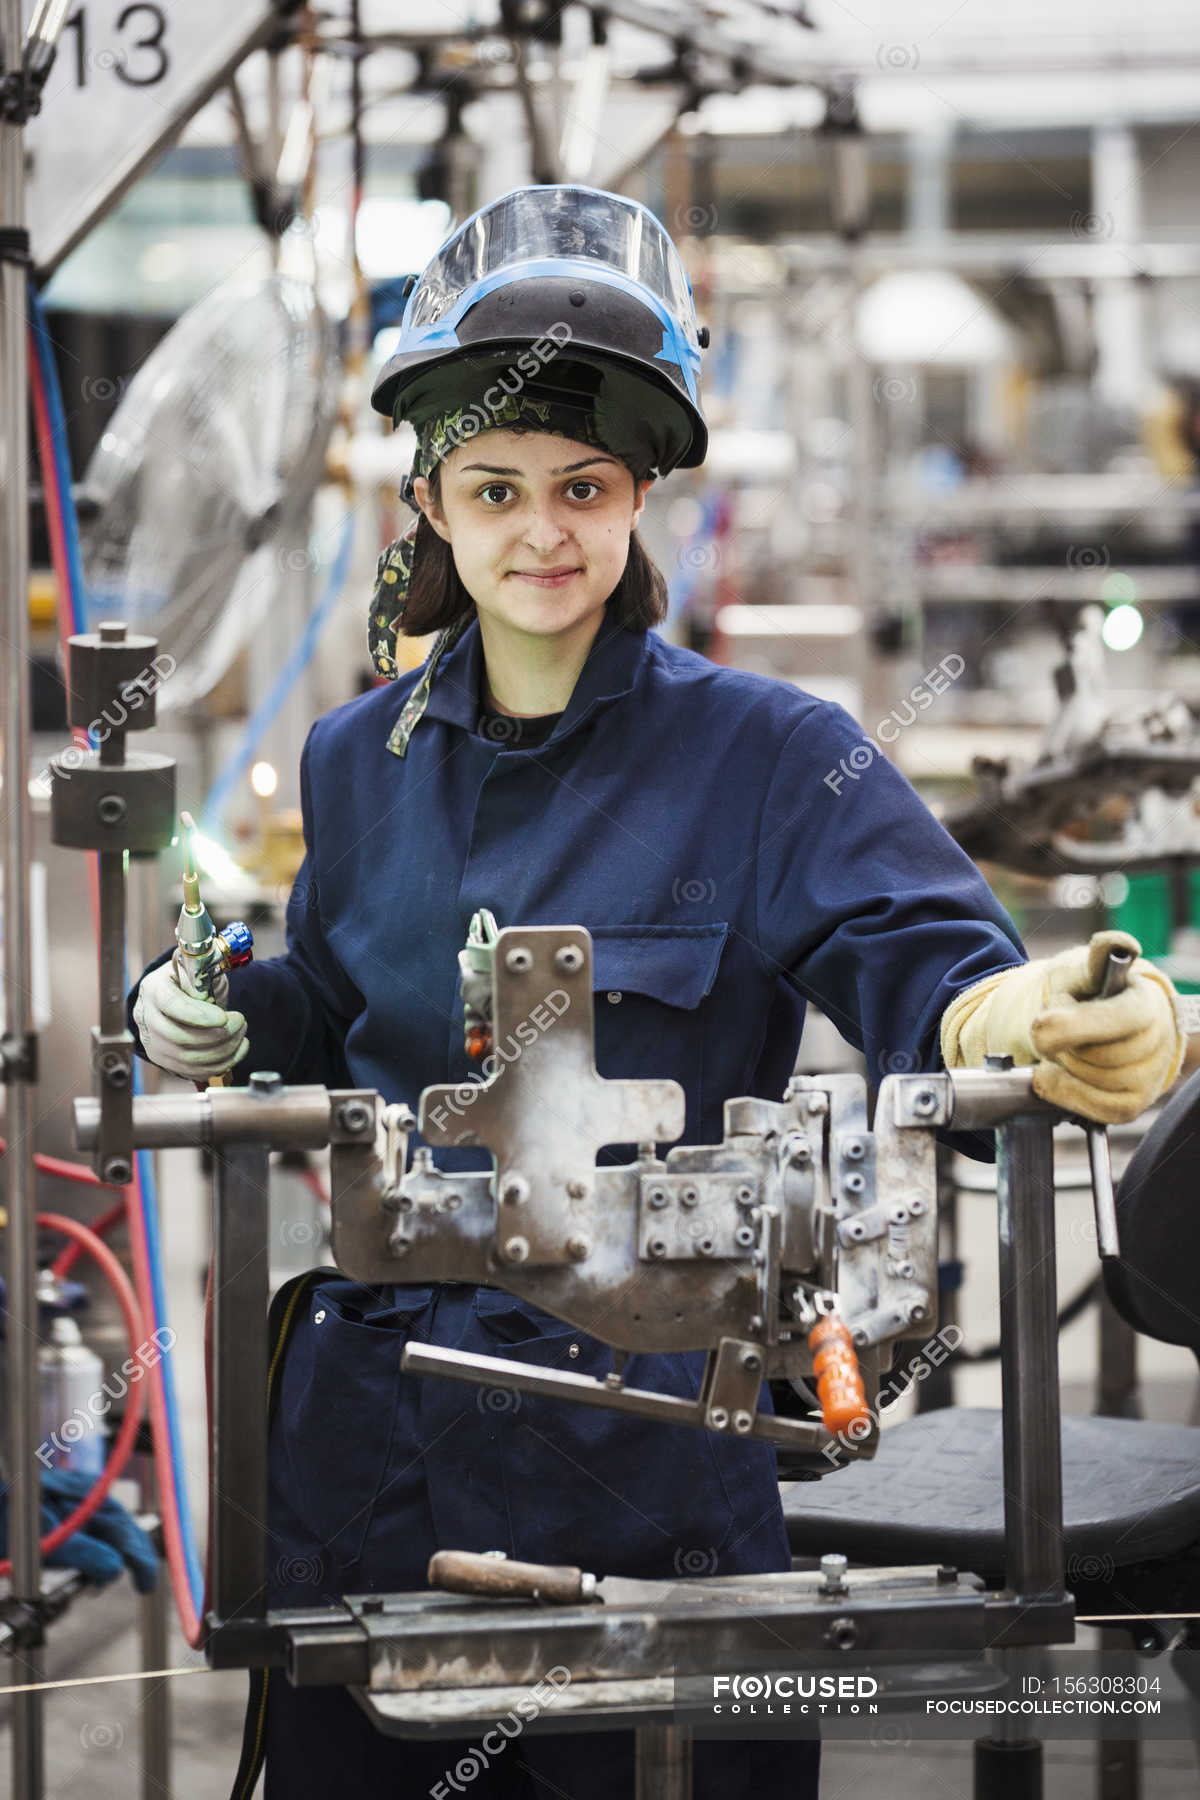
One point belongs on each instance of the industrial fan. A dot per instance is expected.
(214, 451)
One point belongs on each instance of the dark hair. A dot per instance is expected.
(437, 597)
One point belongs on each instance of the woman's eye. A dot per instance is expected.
(494, 487)
(584, 483)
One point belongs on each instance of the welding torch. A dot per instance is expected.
(204, 952)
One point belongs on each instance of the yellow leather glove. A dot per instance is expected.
(1106, 1060)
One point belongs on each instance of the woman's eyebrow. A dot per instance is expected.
(493, 469)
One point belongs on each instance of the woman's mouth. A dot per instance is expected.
(547, 577)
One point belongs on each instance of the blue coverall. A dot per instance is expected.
(679, 810)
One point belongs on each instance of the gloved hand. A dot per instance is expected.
(110, 1540)
(180, 1032)
(1105, 1060)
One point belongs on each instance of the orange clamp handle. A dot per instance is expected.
(840, 1387)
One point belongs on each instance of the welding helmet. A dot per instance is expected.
(572, 284)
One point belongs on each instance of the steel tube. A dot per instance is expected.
(23, 1469)
(297, 1117)
(1033, 1528)
(238, 1471)
(664, 1763)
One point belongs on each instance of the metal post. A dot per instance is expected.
(19, 1070)
(1033, 1528)
(664, 1763)
(238, 1480)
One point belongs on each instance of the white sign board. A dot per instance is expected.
(128, 76)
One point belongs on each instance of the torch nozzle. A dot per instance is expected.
(191, 881)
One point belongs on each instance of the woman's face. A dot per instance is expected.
(538, 525)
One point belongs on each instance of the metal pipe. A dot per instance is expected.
(23, 1468)
(664, 1763)
(238, 1469)
(1033, 1528)
(297, 1118)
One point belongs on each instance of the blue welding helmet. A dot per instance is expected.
(559, 269)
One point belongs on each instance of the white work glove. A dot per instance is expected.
(180, 1032)
(1105, 1060)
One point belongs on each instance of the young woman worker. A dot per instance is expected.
(555, 760)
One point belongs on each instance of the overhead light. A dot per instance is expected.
(264, 779)
(1122, 628)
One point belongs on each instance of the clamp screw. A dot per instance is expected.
(266, 1081)
(110, 809)
(516, 1249)
(514, 1189)
(704, 1247)
(688, 1197)
(743, 1422)
(518, 961)
(800, 1154)
(842, 1634)
(354, 1116)
(743, 1237)
(579, 1248)
(833, 1573)
(657, 1247)
(816, 1103)
(917, 1312)
(117, 1170)
(657, 1197)
(576, 1189)
(718, 1418)
(751, 1361)
(925, 1102)
(568, 960)
(854, 1149)
(853, 1183)
(744, 1196)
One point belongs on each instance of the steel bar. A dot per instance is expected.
(23, 1469)
(295, 1118)
(1033, 1525)
(664, 1763)
(238, 1471)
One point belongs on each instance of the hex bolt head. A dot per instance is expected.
(354, 1115)
(117, 1170)
(657, 1246)
(689, 1196)
(854, 1149)
(115, 1070)
(743, 1422)
(842, 1634)
(718, 1418)
(518, 961)
(568, 960)
(265, 1081)
(833, 1573)
(579, 1248)
(516, 1249)
(657, 1197)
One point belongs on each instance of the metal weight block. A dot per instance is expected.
(112, 806)
(113, 678)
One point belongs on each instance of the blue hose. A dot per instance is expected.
(260, 720)
(147, 1194)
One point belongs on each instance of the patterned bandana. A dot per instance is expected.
(438, 436)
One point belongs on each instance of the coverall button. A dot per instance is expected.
(318, 1316)
(614, 998)
(573, 1350)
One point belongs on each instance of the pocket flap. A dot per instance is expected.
(676, 964)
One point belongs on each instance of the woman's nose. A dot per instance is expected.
(544, 529)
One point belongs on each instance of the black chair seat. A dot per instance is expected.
(935, 1494)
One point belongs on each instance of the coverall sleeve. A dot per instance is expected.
(866, 905)
(298, 1006)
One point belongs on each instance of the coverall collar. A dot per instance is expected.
(609, 671)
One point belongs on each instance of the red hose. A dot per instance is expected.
(65, 1260)
(120, 1452)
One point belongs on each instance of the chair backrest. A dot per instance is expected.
(1155, 1285)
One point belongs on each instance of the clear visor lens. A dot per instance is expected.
(542, 222)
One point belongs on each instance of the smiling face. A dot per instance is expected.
(538, 526)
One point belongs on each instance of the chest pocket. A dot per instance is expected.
(649, 985)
